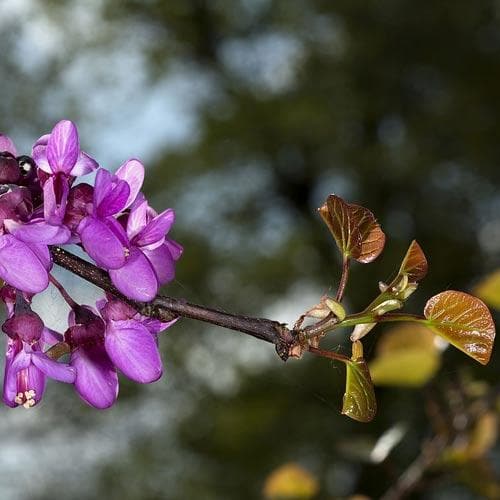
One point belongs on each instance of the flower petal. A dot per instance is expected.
(84, 165)
(50, 337)
(63, 147)
(175, 248)
(55, 199)
(34, 380)
(136, 279)
(101, 243)
(133, 350)
(156, 228)
(61, 372)
(22, 376)
(110, 194)
(162, 262)
(155, 326)
(96, 379)
(137, 219)
(6, 144)
(39, 154)
(10, 378)
(43, 254)
(42, 141)
(132, 172)
(20, 267)
(38, 232)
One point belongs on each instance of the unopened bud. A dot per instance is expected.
(410, 288)
(357, 351)
(336, 308)
(9, 169)
(386, 306)
(401, 284)
(361, 330)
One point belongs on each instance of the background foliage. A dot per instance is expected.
(248, 113)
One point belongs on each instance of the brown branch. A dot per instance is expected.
(167, 308)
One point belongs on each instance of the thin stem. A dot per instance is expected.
(168, 308)
(328, 354)
(331, 323)
(363, 317)
(343, 279)
(65, 295)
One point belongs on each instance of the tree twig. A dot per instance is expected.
(167, 308)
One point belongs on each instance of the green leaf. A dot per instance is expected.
(359, 399)
(407, 356)
(489, 289)
(464, 321)
(355, 229)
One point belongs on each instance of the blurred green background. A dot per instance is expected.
(247, 114)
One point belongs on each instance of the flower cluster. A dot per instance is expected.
(43, 202)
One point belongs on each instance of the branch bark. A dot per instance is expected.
(167, 308)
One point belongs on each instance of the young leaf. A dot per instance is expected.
(414, 264)
(413, 268)
(464, 321)
(355, 229)
(359, 399)
(407, 356)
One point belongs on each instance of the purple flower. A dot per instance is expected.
(124, 340)
(147, 253)
(131, 341)
(58, 154)
(139, 249)
(100, 233)
(26, 365)
(23, 264)
(96, 379)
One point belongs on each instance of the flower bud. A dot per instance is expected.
(9, 169)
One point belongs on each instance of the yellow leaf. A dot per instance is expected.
(290, 482)
(488, 289)
(406, 356)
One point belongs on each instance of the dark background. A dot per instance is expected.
(248, 113)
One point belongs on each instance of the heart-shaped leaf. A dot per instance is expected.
(464, 321)
(355, 229)
(407, 356)
(359, 399)
(414, 264)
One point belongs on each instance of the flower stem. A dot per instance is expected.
(65, 295)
